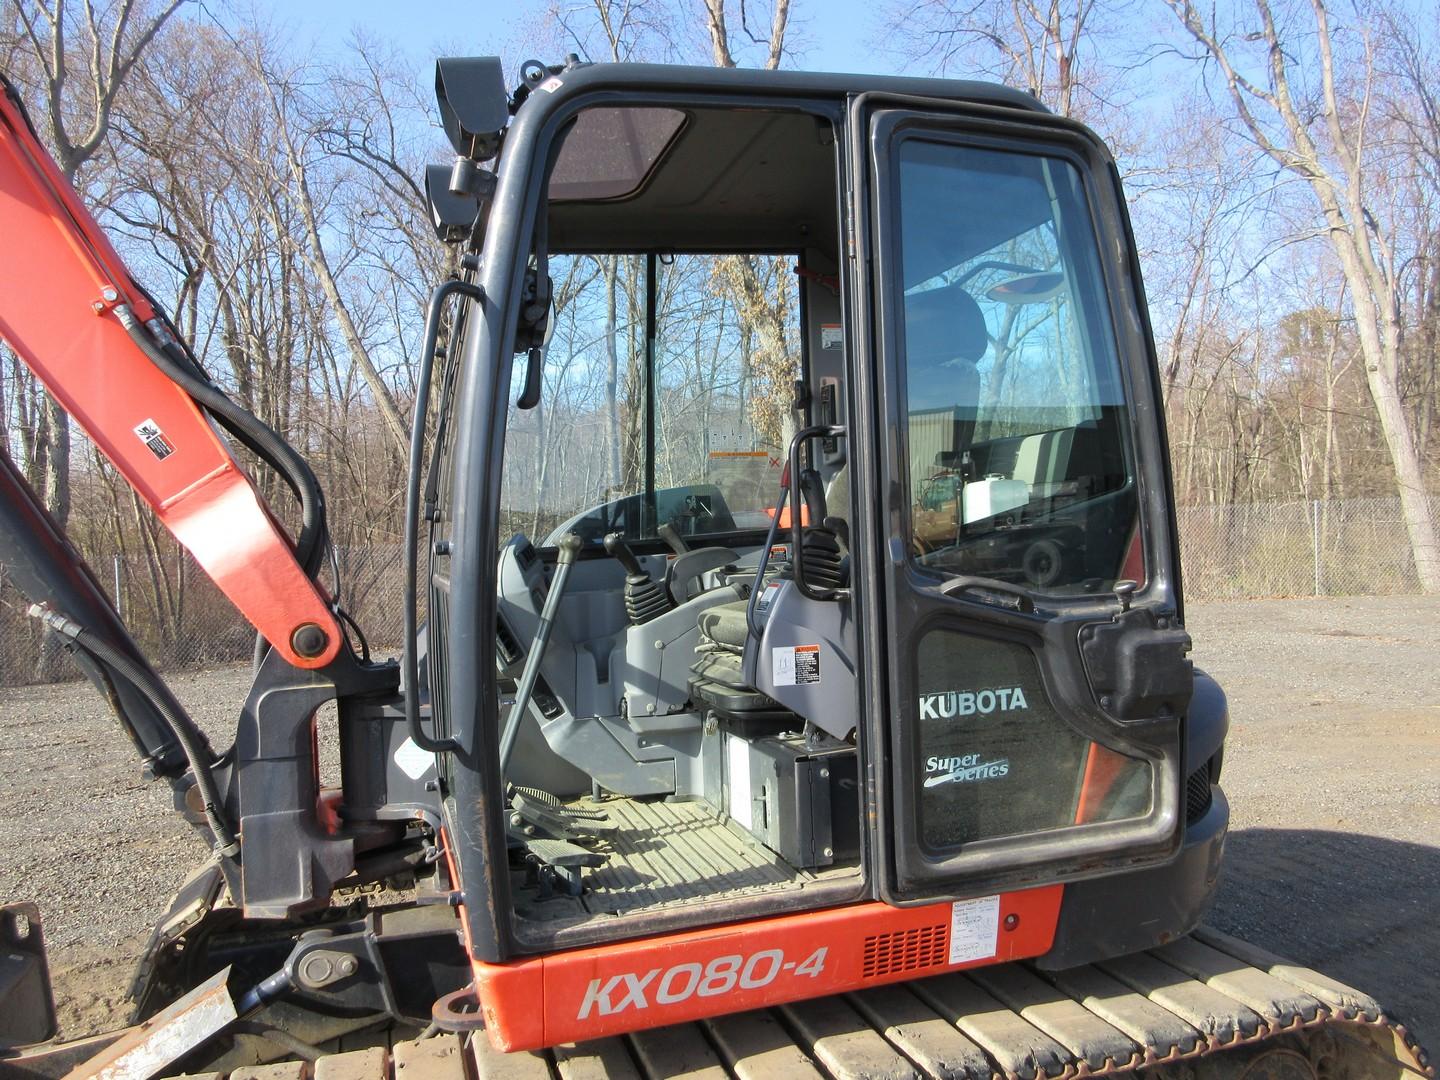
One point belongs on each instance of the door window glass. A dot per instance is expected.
(997, 759)
(1018, 454)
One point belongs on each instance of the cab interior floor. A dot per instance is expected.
(663, 854)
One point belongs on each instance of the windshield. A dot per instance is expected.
(1019, 460)
(696, 444)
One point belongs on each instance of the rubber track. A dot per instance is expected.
(1176, 1004)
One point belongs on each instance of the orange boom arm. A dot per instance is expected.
(64, 298)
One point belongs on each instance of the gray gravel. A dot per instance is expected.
(1331, 770)
(81, 833)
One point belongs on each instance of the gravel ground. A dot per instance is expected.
(1331, 768)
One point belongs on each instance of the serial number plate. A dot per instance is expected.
(670, 986)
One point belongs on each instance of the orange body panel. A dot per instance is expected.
(610, 989)
(59, 285)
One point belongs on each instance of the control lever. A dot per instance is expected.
(671, 536)
(644, 599)
(812, 492)
(618, 550)
(569, 545)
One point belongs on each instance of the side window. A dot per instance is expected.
(708, 428)
(1020, 466)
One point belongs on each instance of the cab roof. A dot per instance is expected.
(710, 159)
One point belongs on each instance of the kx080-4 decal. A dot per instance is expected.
(672, 985)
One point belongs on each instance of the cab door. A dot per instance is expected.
(1028, 725)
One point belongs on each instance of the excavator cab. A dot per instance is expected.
(804, 455)
(803, 616)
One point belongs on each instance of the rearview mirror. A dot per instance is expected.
(1028, 288)
(454, 214)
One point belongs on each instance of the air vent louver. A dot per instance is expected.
(905, 950)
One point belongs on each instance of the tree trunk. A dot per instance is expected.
(612, 373)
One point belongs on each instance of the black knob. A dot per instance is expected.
(618, 550)
(1124, 591)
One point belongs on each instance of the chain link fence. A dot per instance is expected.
(180, 619)
(1337, 547)
(1241, 550)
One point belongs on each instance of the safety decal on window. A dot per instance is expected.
(150, 434)
(831, 336)
(795, 665)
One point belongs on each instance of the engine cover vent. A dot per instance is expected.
(906, 950)
(1198, 794)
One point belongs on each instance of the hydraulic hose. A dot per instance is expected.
(248, 429)
(192, 741)
(251, 431)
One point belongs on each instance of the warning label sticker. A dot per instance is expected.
(795, 665)
(830, 336)
(150, 434)
(767, 597)
(974, 929)
(413, 761)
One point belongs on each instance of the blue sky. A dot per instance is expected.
(835, 35)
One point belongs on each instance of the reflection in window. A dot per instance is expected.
(1019, 461)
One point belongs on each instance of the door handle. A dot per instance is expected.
(988, 591)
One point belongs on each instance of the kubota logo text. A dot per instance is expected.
(954, 703)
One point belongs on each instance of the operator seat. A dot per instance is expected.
(717, 676)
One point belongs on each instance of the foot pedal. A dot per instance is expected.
(548, 814)
(557, 865)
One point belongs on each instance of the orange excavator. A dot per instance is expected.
(898, 768)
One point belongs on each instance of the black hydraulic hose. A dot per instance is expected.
(192, 741)
(309, 548)
(411, 545)
(254, 434)
(250, 430)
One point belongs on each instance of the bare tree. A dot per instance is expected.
(1327, 142)
(721, 44)
(80, 77)
(1043, 46)
(301, 124)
